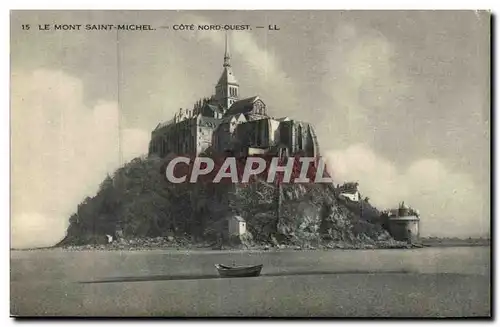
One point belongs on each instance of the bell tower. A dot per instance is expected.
(227, 89)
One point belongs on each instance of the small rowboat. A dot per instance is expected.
(248, 271)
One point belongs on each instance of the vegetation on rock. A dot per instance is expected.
(138, 202)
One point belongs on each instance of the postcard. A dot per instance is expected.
(250, 163)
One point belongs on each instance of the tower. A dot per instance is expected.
(227, 88)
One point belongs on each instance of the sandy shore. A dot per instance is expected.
(427, 282)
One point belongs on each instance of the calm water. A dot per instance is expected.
(422, 282)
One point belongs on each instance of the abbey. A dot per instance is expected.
(225, 122)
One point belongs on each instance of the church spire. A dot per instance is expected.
(227, 57)
(227, 88)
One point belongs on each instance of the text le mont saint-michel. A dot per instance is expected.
(147, 27)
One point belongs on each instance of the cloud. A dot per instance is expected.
(266, 69)
(261, 65)
(363, 83)
(62, 148)
(61, 151)
(366, 86)
(449, 202)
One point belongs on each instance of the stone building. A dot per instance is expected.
(349, 191)
(246, 129)
(227, 123)
(403, 223)
(190, 136)
(405, 228)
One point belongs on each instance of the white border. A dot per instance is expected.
(254, 4)
(147, 4)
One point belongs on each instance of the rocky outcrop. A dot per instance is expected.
(137, 202)
(311, 215)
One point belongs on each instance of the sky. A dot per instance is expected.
(400, 101)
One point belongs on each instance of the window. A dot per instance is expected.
(233, 92)
(259, 108)
(299, 132)
(258, 111)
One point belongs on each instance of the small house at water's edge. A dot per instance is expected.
(236, 226)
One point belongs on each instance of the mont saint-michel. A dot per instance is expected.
(95, 27)
(259, 215)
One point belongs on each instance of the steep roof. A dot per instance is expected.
(350, 187)
(214, 108)
(241, 106)
(227, 77)
(238, 218)
(234, 118)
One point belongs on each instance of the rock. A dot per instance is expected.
(309, 213)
